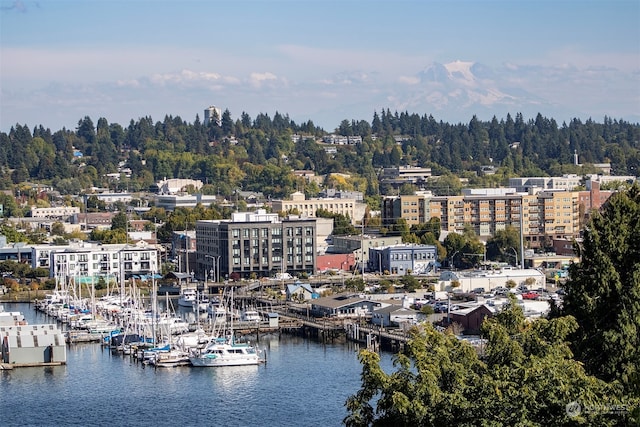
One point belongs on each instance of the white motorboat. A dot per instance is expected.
(225, 352)
(250, 316)
(188, 297)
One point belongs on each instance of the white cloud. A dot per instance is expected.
(409, 80)
(258, 79)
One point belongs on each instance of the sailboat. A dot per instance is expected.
(223, 350)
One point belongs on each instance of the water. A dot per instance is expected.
(303, 383)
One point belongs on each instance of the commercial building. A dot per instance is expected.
(32, 345)
(171, 201)
(360, 245)
(404, 259)
(255, 244)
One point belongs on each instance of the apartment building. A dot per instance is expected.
(54, 211)
(114, 261)
(547, 214)
(308, 207)
(255, 244)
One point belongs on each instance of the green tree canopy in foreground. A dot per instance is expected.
(603, 292)
(525, 375)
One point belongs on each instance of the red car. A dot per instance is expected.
(530, 295)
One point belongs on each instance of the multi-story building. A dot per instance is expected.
(565, 182)
(114, 261)
(255, 244)
(543, 215)
(171, 201)
(403, 258)
(308, 207)
(54, 212)
(360, 246)
(177, 185)
(405, 175)
(85, 259)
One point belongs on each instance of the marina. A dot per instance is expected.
(305, 382)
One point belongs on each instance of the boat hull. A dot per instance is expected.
(202, 361)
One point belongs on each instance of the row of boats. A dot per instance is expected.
(162, 339)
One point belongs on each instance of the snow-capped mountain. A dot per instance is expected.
(467, 88)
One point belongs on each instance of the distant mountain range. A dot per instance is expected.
(456, 91)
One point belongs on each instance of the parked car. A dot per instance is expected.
(441, 307)
(500, 290)
(478, 291)
(530, 295)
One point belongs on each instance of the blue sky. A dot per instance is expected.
(317, 60)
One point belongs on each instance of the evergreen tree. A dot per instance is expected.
(603, 292)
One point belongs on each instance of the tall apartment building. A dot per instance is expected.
(545, 215)
(256, 244)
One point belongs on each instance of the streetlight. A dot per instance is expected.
(452, 259)
(216, 270)
(515, 256)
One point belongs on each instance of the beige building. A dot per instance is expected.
(308, 207)
(547, 214)
(54, 211)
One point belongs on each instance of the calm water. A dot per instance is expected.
(304, 383)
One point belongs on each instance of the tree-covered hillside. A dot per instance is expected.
(259, 154)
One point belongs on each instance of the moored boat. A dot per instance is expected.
(225, 352)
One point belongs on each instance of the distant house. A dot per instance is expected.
(471, 317)
(394, 315)
(300, 292)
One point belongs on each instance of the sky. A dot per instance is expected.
(324, 61)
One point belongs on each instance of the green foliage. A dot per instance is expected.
(356, 284)
(603, 292)
(527, 377)
(259, 154)
(341, 224)
(410, 283)
(120, 221)
(109, 236)
(501, 245)
(464, 250)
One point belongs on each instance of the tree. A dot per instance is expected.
(527, 376)
(119, 221)
(409, 282)
(499, 247)
(603, 292)
(57, 229)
